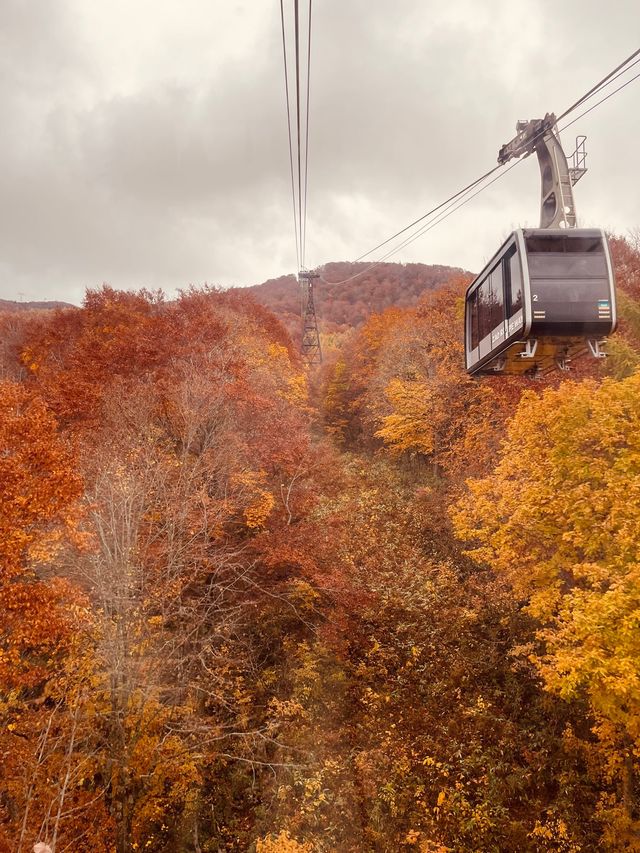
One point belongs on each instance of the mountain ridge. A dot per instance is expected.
(346, 294)
(44, 305)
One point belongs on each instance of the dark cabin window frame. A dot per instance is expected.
(510, 258)
(496, 277)
(484, 307)
(473, 320)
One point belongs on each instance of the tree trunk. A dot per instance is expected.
(628, 780)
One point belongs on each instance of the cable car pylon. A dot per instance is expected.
(311, 349)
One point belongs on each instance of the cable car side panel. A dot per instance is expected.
(554, 300)
(612, 284)
(495, 305)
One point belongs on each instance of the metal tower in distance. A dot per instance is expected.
(311, 352)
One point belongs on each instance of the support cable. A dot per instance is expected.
(306, 145)
(463, 195)
(501, 175)
(450, 206)
(429, 213)
(297, 41)
(286, 90)
(447, 212)
(595, 89)
(606, 98)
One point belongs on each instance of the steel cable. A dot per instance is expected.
(297, 44)
(610, 78)
(306, 144)
(605, 80)
(286, 90)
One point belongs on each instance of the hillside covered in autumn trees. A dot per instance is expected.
(377, 607)
(347, 294)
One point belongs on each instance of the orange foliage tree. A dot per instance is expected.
(44, 626)
(190, 420)
(559, 518)
(401, 383)
(39, 492)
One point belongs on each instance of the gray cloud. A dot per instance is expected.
(146, 146)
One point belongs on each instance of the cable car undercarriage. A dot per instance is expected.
(536, 357)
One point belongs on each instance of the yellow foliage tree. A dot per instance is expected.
(282, 843)
(560, 519)
(409, 427)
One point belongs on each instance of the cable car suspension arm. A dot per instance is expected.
(557, 205)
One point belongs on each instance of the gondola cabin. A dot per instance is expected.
(545, 297)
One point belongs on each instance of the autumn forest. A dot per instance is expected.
(373, 606)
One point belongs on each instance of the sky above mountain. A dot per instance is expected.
(144, 144)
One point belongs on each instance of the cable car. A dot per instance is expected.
(545, 297)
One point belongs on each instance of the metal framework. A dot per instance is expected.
(311, 351)
(557, 206)
(578, 160)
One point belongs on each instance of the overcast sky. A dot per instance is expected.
(144, 143)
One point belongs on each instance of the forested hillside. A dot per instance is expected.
(10, 305)
(367, 289)
(379, 607)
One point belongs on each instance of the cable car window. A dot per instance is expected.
(497, 297)
(563, 243)
(545, 243)
(583, 244)
(484, 308)
(565, 256)
(473, 319)
(515, 278)
(566, 265)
